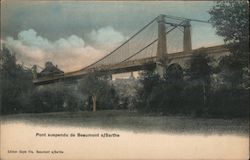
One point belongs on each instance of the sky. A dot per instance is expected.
(73, 34)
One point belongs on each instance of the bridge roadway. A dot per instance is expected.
(129, 66)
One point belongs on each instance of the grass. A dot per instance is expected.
(124, 120)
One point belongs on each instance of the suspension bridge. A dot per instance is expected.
(164, 40)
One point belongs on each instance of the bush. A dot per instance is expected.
(53, 99)
(229, 103)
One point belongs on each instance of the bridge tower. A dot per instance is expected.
(34, 71)
(187, 42)
(161, 55)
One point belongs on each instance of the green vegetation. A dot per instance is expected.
(231, 20)
(19, 95)
(208, 90)
(194, 95)
(53, 99)
(15, 83)
(205, 89)
(99, 90)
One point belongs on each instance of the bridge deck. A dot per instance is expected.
(127, 66)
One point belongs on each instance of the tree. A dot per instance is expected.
(19, 95)
(200, 69)
(199, 77)
(231, 20)
(231, 70)
(100, 91)
(15, 82)
(53, 98)
(147, 99)
(149, 79)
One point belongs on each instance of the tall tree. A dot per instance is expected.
(100, 91)
(200, 69)
(231, 20)
(148, 94)
(199, 72)
(15, 83)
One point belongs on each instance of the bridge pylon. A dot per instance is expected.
(187, 42)
(161, 55)
(34, 71)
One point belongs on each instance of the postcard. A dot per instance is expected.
(124, 80)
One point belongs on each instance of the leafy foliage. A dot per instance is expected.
(231, 20)
(18, 95)
(14, 81)
(192, 94)
(53, 99)
(101, 87)
(200, 69)
(179, 93)
(228, 103)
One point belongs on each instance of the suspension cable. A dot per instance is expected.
(121, 44)
(182, 18)
(151, 43)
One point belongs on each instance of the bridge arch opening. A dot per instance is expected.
(174, 73)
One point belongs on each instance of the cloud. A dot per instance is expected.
(30, 38)
(70, 53)
(70, 42)
(107, 37)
